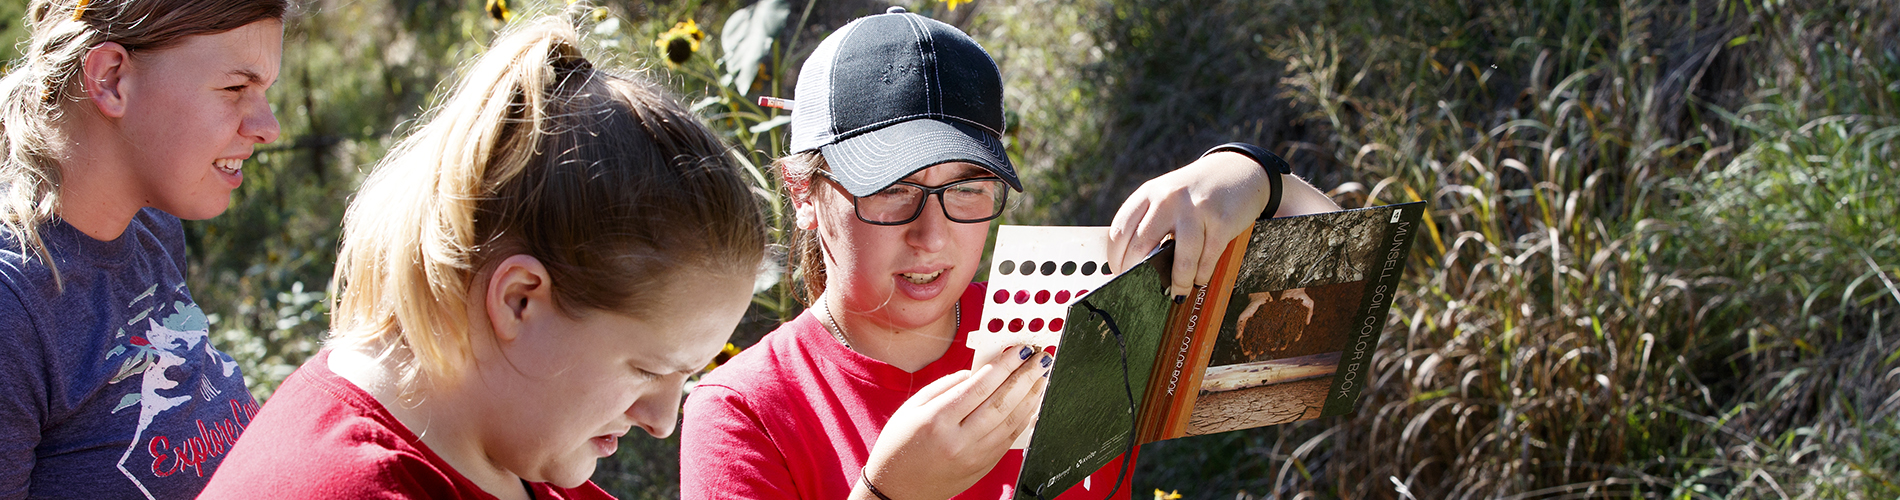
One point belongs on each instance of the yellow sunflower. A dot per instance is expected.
(498, 10)
(681, 42)
(723, 356)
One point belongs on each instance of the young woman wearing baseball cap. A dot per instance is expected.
(898, 169)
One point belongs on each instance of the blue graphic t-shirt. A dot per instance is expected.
(110, 388)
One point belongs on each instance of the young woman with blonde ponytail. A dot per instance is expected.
(530, 276)
(122, 117)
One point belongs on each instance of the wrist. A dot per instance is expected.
(864, 480)
(1269, 162)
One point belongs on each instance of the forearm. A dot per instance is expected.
(1299, 198)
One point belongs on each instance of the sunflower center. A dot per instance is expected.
(679, 50)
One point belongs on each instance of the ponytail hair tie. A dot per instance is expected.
(568, 60)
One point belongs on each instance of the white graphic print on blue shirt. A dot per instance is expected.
(111, 387)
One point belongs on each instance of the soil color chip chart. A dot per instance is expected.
(1036, 273)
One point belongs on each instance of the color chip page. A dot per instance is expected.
(1036, 272)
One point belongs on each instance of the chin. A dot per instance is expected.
(574, 474)
(570, 475)
(201, 212)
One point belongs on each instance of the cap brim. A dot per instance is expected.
(869, 162)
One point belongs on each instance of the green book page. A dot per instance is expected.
(1087, 414)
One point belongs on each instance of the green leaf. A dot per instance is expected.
(747, 40)
(128, 400)
(768, 125)
(608, 28)
(707, 102)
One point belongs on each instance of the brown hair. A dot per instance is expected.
(603, 177)
(33, 94)
(796, 172)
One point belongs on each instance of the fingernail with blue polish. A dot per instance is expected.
(1180, 298)
(1046, 361)
(1026, 352)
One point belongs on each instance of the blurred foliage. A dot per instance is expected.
(1661, 261)
(13, 27)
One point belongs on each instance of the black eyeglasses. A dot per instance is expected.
(967, 201)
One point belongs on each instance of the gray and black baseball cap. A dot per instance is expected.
(888, 95)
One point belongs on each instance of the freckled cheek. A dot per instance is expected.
(863, 247)
(970, 243)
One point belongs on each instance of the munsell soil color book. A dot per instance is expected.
(1284, 332)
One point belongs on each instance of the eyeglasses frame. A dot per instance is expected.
(928, 191)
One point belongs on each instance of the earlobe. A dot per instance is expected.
(805, 216)
(103, 78)
(804, 210)
(518, 289)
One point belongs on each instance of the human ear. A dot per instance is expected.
(519, 291)
(103, 78)
(805, 214)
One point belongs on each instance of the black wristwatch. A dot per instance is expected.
(1272, 163)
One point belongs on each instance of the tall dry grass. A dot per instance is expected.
(1662, 250)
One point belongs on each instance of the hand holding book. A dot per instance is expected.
(1203, 206)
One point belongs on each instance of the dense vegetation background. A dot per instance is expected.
(1661, 259)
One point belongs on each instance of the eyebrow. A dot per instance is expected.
(969, 171)
(654, 365)
(249, 75)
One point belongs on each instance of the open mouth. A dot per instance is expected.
(922, 278)
(229, 165)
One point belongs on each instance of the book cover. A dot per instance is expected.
(1284, 332)
(1113, 334)
(1306, 309)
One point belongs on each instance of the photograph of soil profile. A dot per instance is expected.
(1275, 360)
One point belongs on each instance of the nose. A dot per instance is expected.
(931, 229)
(260, 124)
(658, 412)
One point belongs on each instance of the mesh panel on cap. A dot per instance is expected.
(811, 120)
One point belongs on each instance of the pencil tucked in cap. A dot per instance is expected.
(891, 94)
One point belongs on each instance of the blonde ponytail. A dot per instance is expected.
(29, 176)
(604, 178)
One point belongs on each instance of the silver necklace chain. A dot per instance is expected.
(837, 329)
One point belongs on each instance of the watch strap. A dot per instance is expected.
(1272, 163)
